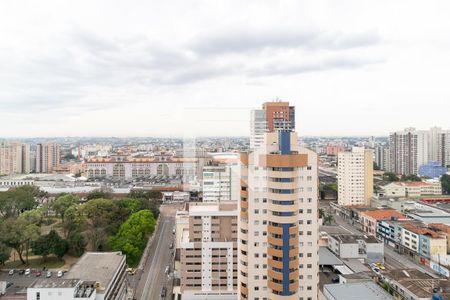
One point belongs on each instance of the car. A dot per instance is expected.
(38, 273)
(49, 274)
(27, 272)
(167, 270)
(60, 274)
(163, 292)
(335, 280)
(380, 266)
(171, 246)
(21, 272)
(173, 231)
(376, 271)
(11, 272)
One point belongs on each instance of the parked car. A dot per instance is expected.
(167, 270)
(49, 274)
(38, 273)
(163, 292)
(173, 231)
(171, 246)
(380, 266)
(11, 272)
(21, 272)
(27, 272)
(60, 274)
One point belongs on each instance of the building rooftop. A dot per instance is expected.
(420, 284)
(356, 291)
(48, 283)
(421, 230)
(327, 258)
(354, 238)
(97, 266)
(384, 214)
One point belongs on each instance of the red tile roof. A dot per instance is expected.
(384, 214)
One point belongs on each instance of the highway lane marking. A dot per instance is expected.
(146, 289)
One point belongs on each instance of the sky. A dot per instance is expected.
(197, 68)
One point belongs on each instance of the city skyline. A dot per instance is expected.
(132, 72)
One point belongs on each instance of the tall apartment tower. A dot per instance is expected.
(221, 182)
(355, 177)
(275, 115)
(278, 221)
(14, 158)
(48, 156)
(408, 150)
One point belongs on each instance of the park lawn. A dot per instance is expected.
(36, 263)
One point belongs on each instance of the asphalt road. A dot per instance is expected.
(153, 276)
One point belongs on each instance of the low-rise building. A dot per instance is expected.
(422, 241)
(367, 290)
(411, 189)
(61, 288)
(106, 269)
(357, 246)
(413, 284)
(369, 219)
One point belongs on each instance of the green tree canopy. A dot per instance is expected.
(390, 177)
(51, 243)
(17, 233)
(133, 234)
(62, 203)
(445, 182)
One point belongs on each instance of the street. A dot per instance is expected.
(153, 277)
(393, 260)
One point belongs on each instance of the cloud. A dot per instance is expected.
(256, 40)
(331, 63)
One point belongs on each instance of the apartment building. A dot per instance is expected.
(14, 158)
(382, 157)
(408, 151)
(208, 251)
(48, 157)
(334, 150)
(275, 115)
(221, 182)
(278, 221)
(355, 177)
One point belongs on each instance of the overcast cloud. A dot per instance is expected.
(128, 68)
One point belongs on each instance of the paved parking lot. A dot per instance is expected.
(19, 281)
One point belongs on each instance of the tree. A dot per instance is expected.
(35, 216)
(133, 234)
(62, 203)
(5, 253)
(77, 244)
(17, 200)
(69, 156)
(445, 182)
(390, 177)
(411, 177)
(18, 234)
(103, 218)
(328, 219)
(73, 221)
(48, 244)
(99, 194)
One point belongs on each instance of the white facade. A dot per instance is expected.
(265, 208)
(355, 177)
(258, 127)
(221, 183)
(60, 288)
